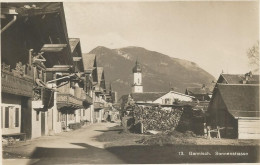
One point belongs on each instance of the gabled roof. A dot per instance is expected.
(198, 90)
(100, 72)
(238, 78)
(73, 43)
(147, 96)
(240, 100)
(88, 60)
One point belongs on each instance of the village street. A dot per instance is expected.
(81, 147)
(73, 147)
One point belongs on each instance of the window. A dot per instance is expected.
(16, 117)
(37, 115)
(84, 112)
(167, 101)
(6, 117)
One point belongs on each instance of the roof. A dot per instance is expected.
(238, 78)
(241, 100)
(73, 43)
(88, 60)
(31, 8)
(178, 93)
(147, 96)
(198, 90)
(100, 71)
(53, 47)
(137, 67)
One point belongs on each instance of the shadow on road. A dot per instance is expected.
(173, 154)
(88, 154)
(110, 130)
(145, 154)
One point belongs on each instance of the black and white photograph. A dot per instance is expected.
(129, 82)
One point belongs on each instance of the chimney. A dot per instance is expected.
(250, 74)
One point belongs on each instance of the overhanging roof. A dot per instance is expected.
(30, 8)
(73, 43)
(53, 47)
(88, 60)
(241, 100)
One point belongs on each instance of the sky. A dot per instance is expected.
(215, 35)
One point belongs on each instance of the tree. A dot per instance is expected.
(253, 56)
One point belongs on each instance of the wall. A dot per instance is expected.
(36, 125)
(172, 96)
(26, 116)
(138, 78)
(137, 89)
(89, 114)
(248, 129)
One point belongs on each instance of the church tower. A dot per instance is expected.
(137, 85)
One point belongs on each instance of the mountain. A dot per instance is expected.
(160, 72)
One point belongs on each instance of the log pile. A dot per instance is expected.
(154, 118)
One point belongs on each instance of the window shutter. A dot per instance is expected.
(6, 117)
(16, 117)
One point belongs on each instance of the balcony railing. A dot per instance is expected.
(69, 101)
(16, 84)
(98, 105)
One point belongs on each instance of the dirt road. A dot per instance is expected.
(73, 147)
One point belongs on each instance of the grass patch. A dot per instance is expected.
(117, 136)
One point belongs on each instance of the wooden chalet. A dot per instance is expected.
(43, 80)
(235, 109)
(31, 33)
(100, 97)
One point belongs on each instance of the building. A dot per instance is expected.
(247, 78)
(235, 109)
(101, 97)
(45, 88)
(160, 98)
(137, 86)
(151, 98)
(32, 34)
(200, 93)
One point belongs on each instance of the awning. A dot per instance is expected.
(53, 47)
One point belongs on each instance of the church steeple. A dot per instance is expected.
(137, 67)
(137, 85)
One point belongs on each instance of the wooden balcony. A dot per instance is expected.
(68, 101)
(16, 84)
(98, 105)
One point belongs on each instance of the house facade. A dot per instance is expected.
(235, 109)
(46, 86)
